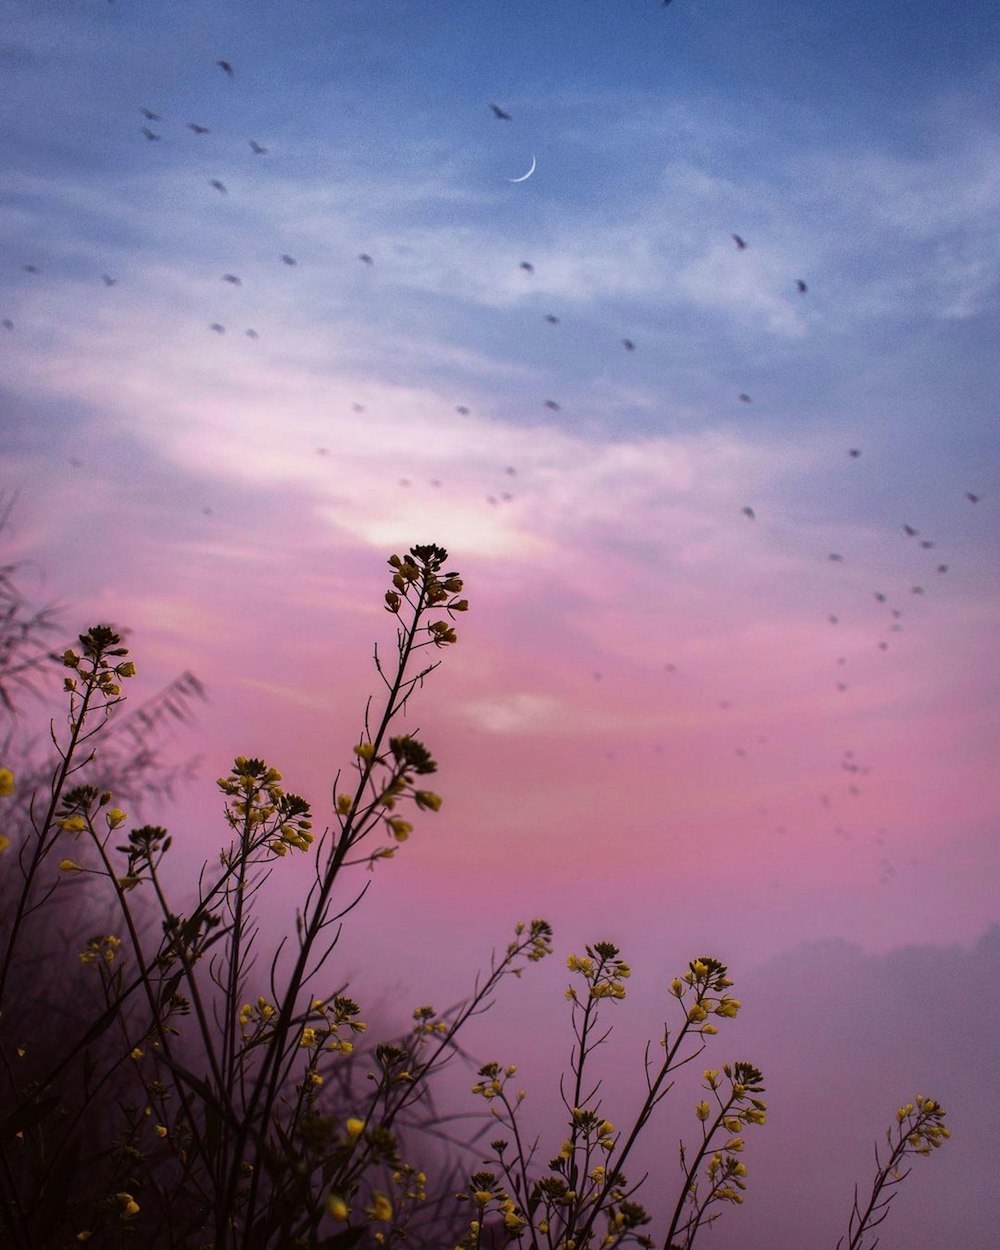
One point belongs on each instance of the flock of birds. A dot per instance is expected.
(848, 764)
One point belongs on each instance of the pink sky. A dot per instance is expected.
(666, 723)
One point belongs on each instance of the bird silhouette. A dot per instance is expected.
(461, 410)
(880, 596)
(527, 266)
(498, 113)
(288, 260)
(740, 242)
(217, 328)
(232, 279)
(149, 133)
(942, 568)
(835, 555)
(926, 544)
(744, 398)
(553, 321)
(910, 531)
(749, 512)
(628, 345)
(971, 497)
(802, 288)
(149, 115)
(252, 334)
(257, 149)
(854, 453)
(219, 186)
(551, 403)
(366, 259)
(7, 323)
(31, 269)
(108, 280)
(198, 130)
(226, 68)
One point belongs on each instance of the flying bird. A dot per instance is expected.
(910, 531)
(835, 555)
(217, 328)
(740, 242)
(628, 345)
(226, 68)
(257, 149)
(916, 590)
(749, 512)
(198, 130)
(252, 334)
(31, 269)
(802, 288)
(7, 323)
(527, 266)
(288, 260)
(971, 497)
(232, 279)
(942, 568)
(366, 259)
(219, 186)
(108, 280)
(551, 403)
(880, 596)
(926, 544)
(148, 133)
(498, 112)
(462, 410)
(553, 321)
(854, 453)
(744, 398)
(149, 115)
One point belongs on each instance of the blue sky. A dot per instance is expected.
(231, 498)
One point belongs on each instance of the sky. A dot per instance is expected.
(712, 695)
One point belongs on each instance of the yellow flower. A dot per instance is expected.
(702, 1111)
(6, 782)
(400, 829)
(4, 842)
(161, 1130)
(337, 1207)
(129, 1208)
(70, 865)
(116, 817)
(72, 824)
(381, 1208)
(354, 1127)
(427, 799)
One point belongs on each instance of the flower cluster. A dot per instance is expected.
(329, 1022)
(539, 940)
(96, 667)
(492, 1080)
(262, 811)
(602, 970)
(920, 1127)
(486, 1192)
(419, 581)
(704, 985)
(102, 947)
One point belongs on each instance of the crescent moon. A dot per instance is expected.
(525, 177)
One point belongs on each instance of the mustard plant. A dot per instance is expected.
(918, 1130)
(197, 1093)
